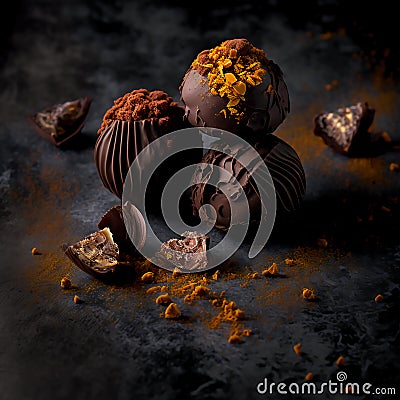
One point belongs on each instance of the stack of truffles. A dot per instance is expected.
(233, 87)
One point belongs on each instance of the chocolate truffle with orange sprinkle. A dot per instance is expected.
(235, 87)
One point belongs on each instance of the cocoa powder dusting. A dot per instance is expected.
(142, 104)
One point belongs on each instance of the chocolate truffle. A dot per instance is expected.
(135, 120)
(60, 122)
(346, 130)
(97, 254)
(235, 87)
(284, 166)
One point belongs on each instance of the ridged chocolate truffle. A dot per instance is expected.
(134, 121)
(235, 87)
(284, 166)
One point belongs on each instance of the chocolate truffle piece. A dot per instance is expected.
(60, 122)
(188, 254)
(134, 121)
(114, 220)
(97, 254)
(346, 129)
(235, 87)
(284, 166)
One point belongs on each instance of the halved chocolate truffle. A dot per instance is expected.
(235, 87)
(346, 130)
(135, 120)
(97, 254)
(60, 122)
(284, 166)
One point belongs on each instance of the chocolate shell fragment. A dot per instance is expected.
(187, 254)
(60, 122)
(346, 130)
(284, 166)
(113, 219)
(235, 87)
(97, 255)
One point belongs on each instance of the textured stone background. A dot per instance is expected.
(115, 345)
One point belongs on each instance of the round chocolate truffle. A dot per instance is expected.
(135, 120)
(284, 166)
(235, 87)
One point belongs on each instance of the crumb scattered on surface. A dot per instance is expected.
(340, 361)
(322, 243)
(172, 311)
(163, 299)
(153, 290)
(35, 251)
(308, 294)
(297, 348)
(77, 299)
(309, 376)
(378, 298)
(66, 283)
(394, 167)
(272, 270)
(147, 277)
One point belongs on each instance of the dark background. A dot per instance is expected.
(115, 345)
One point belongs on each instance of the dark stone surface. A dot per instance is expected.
(115, 345)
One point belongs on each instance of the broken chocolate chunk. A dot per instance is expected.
(60, 122)
(187, 254)
(346, 129)
(97, 254)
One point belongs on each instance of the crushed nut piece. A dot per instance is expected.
(153, 290)
(308, 294)
(172, 311)
(234, 339)
(340, 361)
(77, 300)
(394, 167)
(378, 298)
(176, 272)
(309, 376)
(148, 277)
(272, 270)
(297, 348)
(35, 251)
(66, 283)
(163, 299)
(216, 274)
